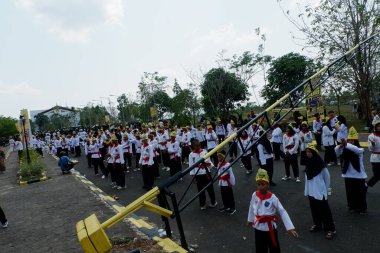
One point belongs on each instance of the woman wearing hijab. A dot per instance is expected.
(328, 142)
(374, 148)
(317, 181)
(353, 172)
(265, 151)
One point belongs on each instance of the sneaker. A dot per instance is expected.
(5, 225)
(329, 191)
(167, 169)
(213, 205)
(119, 188)
(114, 187)
(112, 184)
(286, 178)
(248, 172)
(231, 211)
(329, 164)
(203, 207)
(223, 209)
(298, 180)
(338, 164)
(103, 177)
(96, 174)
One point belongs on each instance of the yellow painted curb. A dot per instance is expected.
(168, 245)
(140, 223)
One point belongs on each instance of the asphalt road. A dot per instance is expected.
(217, 232)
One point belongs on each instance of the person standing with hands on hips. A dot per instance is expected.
(263, 216)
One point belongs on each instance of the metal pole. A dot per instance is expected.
(178, 219)
(26, 139)
(163, 203)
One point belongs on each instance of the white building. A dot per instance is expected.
(72, 114)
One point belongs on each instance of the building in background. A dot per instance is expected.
(55, 117)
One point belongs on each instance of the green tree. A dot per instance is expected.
(185, 105)
(284, 74)
(221, 91)
(7, 127)
(93, 115)
(42, 121)
(152, 94)
(334, 27)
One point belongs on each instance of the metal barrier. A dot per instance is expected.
(91, 233)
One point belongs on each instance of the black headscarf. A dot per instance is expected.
(314, 165)
(350, 157)
(266, 143)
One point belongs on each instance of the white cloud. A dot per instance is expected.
(74, 20)
(22, 88)
(227, 37)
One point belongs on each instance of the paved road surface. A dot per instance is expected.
(217, 232)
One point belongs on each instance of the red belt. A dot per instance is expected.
(268, 219)
(226, 178)
(376, 153)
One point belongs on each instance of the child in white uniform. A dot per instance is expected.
(263, 216)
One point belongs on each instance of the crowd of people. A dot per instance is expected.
(113, 152)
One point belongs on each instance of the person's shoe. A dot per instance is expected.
(271, 183)
(329, 164)
(213, 205)
(103, 177)
(96, 174)
(5, 225)
(203, 207)
(248, 172)
(330, 235)
(112, 184)
(223, 209)
(286, 178)
(298, 180)
(363, 212)
(114, 187)
(119, 188)
(231, 211)
(338, 164)
(314, 228)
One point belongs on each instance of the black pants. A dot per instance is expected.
(59, 150)
(202, 181)
(376, 174)
(277, 150)
(185, 152)
(220, 138)
(138, 155)
(246, 160)
(77, 151)
(148, 176)
(321, 214)
(330, 156)
(111, 170)
(128, 160)
(89, 160)
(175, 166)
(263, 242)
(318, 139)
(233, 149)
(119, 174)
(303, 158)
(203, 144)
(293, 161)
(3, 219)
(269, 168)
(165, 158)
(98, 162)
(356, 192)
(156, 167)
(214, 157)
(227, 197)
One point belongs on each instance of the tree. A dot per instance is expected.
(284, 74)
(42, 121)
(7, 127)
(93, 115)
(221, 90)
(152, 94)
(334, 27)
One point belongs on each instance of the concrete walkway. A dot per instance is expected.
(42, 216)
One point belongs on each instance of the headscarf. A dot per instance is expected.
(266, 143)
(376, 126)
(314, 165)
(350, 157)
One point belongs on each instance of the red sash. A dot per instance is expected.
(268, 219)
(226, 178)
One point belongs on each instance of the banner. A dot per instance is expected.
(28, 130)
(153, 113)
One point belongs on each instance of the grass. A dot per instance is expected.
(31, 171)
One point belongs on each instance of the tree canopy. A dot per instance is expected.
(285, 73)
(7, 127)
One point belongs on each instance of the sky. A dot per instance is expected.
(72, 52)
